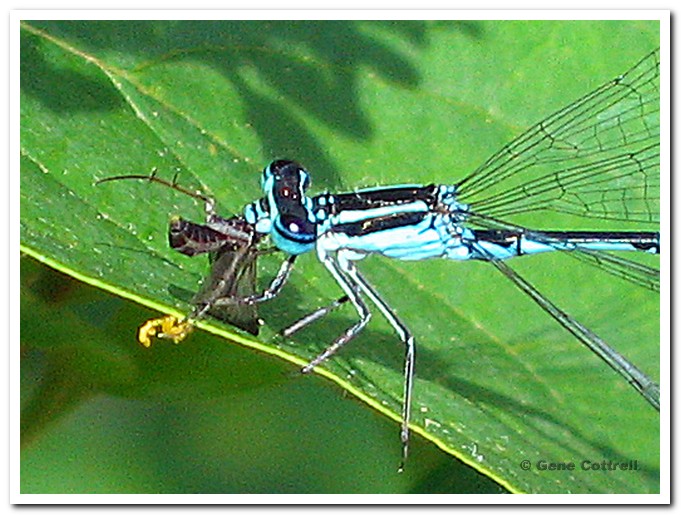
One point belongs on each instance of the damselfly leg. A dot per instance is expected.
(342, 267)
(271, 291)
(313, 316)
(229, 291)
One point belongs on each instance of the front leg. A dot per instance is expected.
(268, 293)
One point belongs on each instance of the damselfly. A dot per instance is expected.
(596, 158)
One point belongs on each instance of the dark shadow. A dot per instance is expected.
(324, 87)
(470, 28)
(288, 136)
(181, 294)
(63, 90)
(441, 481)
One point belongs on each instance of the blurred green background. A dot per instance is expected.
(229, 420)
(360, 103)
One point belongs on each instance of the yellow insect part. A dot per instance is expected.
(167, 327)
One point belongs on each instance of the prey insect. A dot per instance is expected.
(232, 246)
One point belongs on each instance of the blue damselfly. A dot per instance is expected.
(597, 158)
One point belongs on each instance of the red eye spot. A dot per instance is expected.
(286, 192)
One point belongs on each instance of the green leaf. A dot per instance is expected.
(360, 104)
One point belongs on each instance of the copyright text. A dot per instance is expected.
(588, 465)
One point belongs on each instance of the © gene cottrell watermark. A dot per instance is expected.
(586, 465)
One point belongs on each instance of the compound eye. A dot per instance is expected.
(296, 227)
(306, 179)
(279, 167)
(273, 169)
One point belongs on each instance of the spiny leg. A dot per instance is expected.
(352, 292)
(169, 327)
(308, 319)
(409, 357)
(349, 278)
(218, 299)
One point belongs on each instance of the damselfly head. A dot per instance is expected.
(289, 177)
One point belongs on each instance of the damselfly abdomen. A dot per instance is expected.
(596, 159)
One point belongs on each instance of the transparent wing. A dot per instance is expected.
(596, 158)
(643, 384)
(627, 269)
